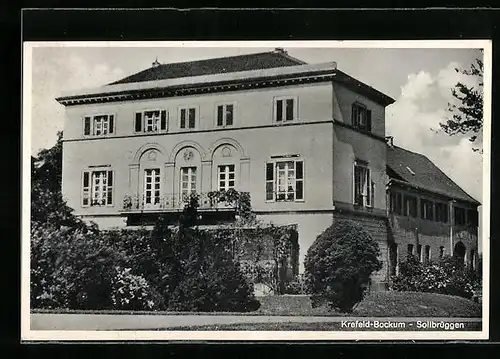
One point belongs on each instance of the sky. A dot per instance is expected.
(420, 80)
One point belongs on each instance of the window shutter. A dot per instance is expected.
(111, 123)
(369, 120)
(229, 115)
(192, 117)
(269, 181)
(86, 126)
(86, 189)
(299, 180)
(289, 110)
(183, 118)
(354, 117)
(279, 110)
(163, 121)
(220, 115)
(109, 194)
(138, 122)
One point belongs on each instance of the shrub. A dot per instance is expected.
(295, 286)
(208, 277)
(339, 264)
(445, 276)
(70, 268)
(132, 291)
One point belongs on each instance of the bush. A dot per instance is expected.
(208, 277)
(70, 268)
(132, 292)
(445, 276)
(339, 264)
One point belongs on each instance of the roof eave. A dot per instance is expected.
(365, 89)
(409, 184)
(299, 70)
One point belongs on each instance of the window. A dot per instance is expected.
(363, 187)
(226, 177)
(285, 181)
(187, 117)
(427, 253)
(441, 212)
(151, 121)
(361, 117)
(472, 263)
(285, 109)
(441, 252)
(426, 209)
(419, 252)
(459, 215)
(98, 125)
(151, 186)
(97, 188)
(395, 203)
(410, 249)
(410, 206)
(225, 114)
(188, 180)
(472, 218)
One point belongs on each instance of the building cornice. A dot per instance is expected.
(109, 137)
(202, 84)
(354, 128)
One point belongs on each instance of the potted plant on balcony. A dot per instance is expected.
(127, 202)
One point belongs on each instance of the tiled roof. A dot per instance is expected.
(419, 171)
(256, 61)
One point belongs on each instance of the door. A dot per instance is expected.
(151, 188)
(188, 182)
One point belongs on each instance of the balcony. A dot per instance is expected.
(176, 202)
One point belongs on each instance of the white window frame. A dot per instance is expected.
(226, 180)
(224, 113)
(275, 180)
(155, 175)
(91, 189)
(283, 112)
(158, 120)
(93, 118)
(196, 117)
(368, 186)
(190, 174)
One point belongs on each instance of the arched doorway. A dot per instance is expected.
(459, 251)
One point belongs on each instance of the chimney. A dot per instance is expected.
(390, 141)
(281, 50)
(156, 63)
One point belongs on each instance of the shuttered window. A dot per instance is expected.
(225, 115)
(97, 188)
(98, 125)
(151, 121)
(285, 109)
(187, 118)
(361, 117)
(363, 186)
(285, 181)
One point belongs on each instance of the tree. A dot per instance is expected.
(47, 203)
(339, 264)
(467, 115)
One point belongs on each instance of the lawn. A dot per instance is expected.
(378, 304)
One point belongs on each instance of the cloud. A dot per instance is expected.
(55, 72)
(414, 120)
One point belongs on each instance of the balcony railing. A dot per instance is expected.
(174, 202)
